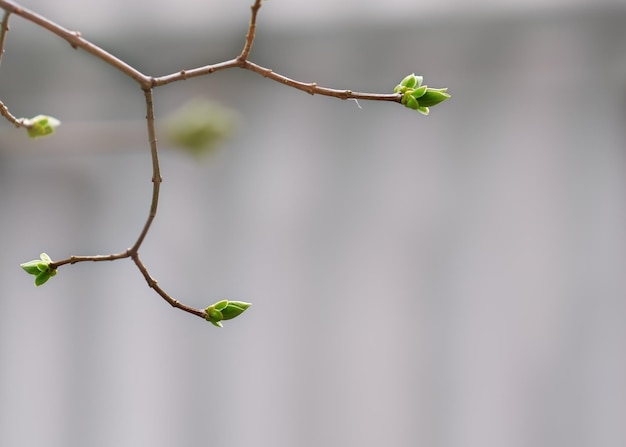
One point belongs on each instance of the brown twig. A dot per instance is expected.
(75, 39)
(152, 283)
(251, 31)
(3, 32)
(147, 84)
(17, 122)
(156, 170)
(313, 89)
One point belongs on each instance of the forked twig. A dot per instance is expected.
(147, 84)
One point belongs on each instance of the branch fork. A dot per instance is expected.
(44, 268)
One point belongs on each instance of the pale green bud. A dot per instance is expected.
(40, 268)
(419, 97)
(41, 125)
(224, 310)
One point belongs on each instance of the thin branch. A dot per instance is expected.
(156, 171)
(4, 110)
(156, 186)
(147, 83)
(3, 32)
(76, 41)
(251, 31)
(18, 122)
(195, 72)
(97, 258)
(310, 87)
(313, 89)
(152, 283)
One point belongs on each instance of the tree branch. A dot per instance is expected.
(152, 283)
(313, 89)
(156, 171)
(75, 39)
(147, 84)
(251, 31)
(3, 32)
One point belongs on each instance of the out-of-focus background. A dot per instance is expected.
(451, 280)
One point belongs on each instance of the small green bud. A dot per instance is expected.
(40, 268)
(214, 316)
(224, 310)
(200, 127)
(419, 97)
(409, 81)
(41, 125)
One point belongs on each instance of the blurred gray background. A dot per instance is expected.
(442, 281)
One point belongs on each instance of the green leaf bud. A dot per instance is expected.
(234, 309)
(200, 127)
(224, 310)
(433, 97)
(215, 314)
(409, 81)
(31, 267)
(410, 102)
(419, 97)
(40, 268)
(41, 125)
(42, 278)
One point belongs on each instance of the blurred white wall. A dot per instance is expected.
(450, 280)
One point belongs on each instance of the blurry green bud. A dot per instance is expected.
(40, 268)
(200, 126)
(41, 125)
(224, 310)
